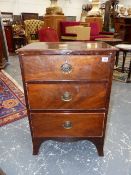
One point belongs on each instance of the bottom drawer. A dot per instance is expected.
(67, 124)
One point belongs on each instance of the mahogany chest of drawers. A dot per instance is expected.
(67, 90)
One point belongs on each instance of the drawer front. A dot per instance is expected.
(67, 96)
(60, 67)
(67, 125)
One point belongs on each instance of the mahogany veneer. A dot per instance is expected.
(67, 89)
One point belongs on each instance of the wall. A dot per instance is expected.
(127, 3)
(70, 7)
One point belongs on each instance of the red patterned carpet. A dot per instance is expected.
(12, 103)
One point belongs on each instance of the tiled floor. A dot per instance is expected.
(76, 158)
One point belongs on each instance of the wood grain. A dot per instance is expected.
(83, 96)
(72, 105)
(48, 67)
(83, 125)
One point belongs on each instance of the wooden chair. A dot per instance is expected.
(31, 29)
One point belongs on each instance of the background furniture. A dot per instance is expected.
(125, 48)
(7, 18)
(53, 21)
(71, 18)
(9, 37)
(31, 29)
(83, 33)
(19, 37)
(67, 88)
(19, 41)
(17, 19)
(95, 32)
(48, 35)
(3, 46)
(28, 16)
(123, 28)
(109, 40)
(98, 20)
(107, 14)
(64, 34)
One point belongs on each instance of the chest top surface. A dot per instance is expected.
(68, 48)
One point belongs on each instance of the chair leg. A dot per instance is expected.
(117, 58)
(129, 73)
(124, 58)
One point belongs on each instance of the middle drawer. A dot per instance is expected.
(67, 96)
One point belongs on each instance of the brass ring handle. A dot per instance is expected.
(66, 68)
(67, 125)
(66, 96)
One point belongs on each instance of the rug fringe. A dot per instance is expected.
(13, 80)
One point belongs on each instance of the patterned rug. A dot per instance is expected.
(12, 103)
(122, 76)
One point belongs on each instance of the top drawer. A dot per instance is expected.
(66, 67)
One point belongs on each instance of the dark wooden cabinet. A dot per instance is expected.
(3, 46)
(3, 54)
(67, 89)
(9, 37)
(7, 20)
(123, 27)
